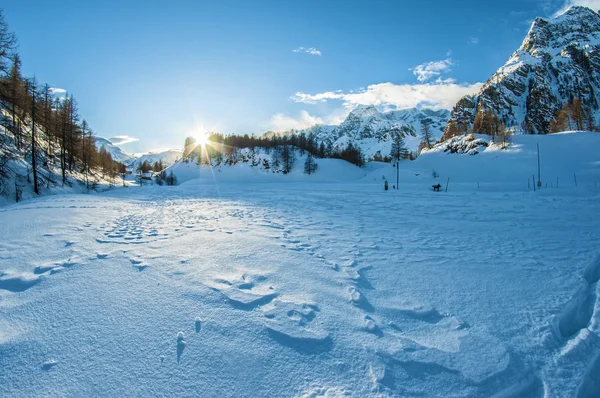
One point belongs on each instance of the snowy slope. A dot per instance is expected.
(16, 176)
(561, 155)
(368, 128)
(565, 156)
(558, 60)
(116, 152)
(251, 168)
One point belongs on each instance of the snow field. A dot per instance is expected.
(299, 289)
(236, 286)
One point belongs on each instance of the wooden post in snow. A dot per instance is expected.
(539, 172)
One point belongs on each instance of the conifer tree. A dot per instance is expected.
(310, 165)
(427, 140)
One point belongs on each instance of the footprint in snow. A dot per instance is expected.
(49, 364)
(246, 292)
(138, 264)
(180, 345)
(294, 325)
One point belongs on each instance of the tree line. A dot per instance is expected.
(281, 146)
(574, 115)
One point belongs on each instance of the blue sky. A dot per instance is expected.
(158, 71)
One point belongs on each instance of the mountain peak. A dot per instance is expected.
(557, 62)
(577, 11)
(365, 110)
(576, 24)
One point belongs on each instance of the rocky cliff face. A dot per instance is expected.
(559, 60)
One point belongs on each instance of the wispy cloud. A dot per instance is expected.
(310, 50)
(517, 14)
(473, 40)
(122, 139)
(429, 70)
(281, 122)
(443, 94)
(58, 91)
(593, 4)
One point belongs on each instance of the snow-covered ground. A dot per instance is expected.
(224, 287)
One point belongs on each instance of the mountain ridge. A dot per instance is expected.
(558, 60)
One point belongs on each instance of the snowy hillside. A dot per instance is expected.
(368, 128)
(559, 60)
(116, 152)
(466, 160)
(16, 172)
(257, 166)
(565, 157)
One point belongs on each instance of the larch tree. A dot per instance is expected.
(427, 139)
(32, 91)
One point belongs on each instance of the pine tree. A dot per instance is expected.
(287, 158)
(398, 150)
(310, 165)
(172, 179)
(322, 150)
(427, 140)
(188, 147)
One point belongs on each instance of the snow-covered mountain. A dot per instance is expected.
(559, 60)
(117, 153)
(167, 157)
(132, 161)
(368, 128)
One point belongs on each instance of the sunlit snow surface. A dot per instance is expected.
(299, 290)
(242, 282)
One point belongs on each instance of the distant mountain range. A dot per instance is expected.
(168, 157)
(369, 129)
(559, 60)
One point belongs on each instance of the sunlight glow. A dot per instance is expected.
(201, 138)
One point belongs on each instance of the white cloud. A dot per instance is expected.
(58, 91)
(428, 70)
(311, 51)
(473, 40)
(315, 98)
(281, 122)
(593, 4)
(122, 139)
(443, 94)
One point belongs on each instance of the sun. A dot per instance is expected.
(201, 138)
